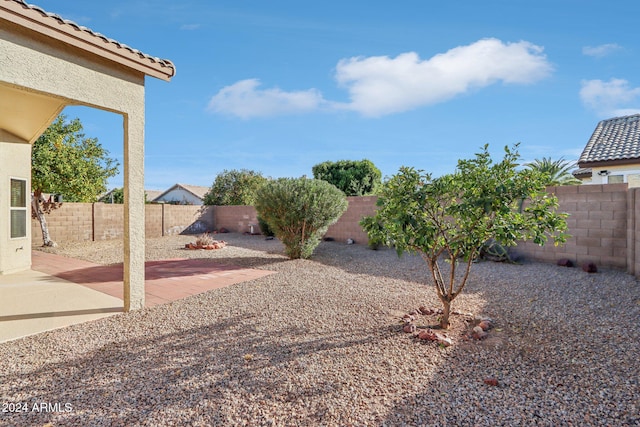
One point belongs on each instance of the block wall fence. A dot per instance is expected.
(603, 224)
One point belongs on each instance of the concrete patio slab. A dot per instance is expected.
(60, 291)
(34, 302)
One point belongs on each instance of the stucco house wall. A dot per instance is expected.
(15, 253)
(48, 63)
(180, 196)
(617, 174)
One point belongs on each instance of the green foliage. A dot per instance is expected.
(558, 171)
(264, 228)
(116, 196)
(235, 187)
(65, 162)
(299, 211)
(353, 177)
(452, 216)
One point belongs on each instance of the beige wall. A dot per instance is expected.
(348, 226)
(15, 254)
(603, 224)
(74, 222)
(597, 223)
(63, 75)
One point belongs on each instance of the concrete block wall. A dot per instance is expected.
(70, 222)
(236, 218)
(73, 222)
(107, 220)
(153, 220)
(603, 224)
(633, 232)
(597, 224)
(178, 218)
(348, 226)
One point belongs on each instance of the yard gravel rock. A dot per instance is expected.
(321, 343)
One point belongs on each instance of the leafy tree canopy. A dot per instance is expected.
(235, 187)
(452, 216)
(66, 162)
(557, 171)
(353, 177)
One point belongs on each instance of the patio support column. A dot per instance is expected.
(134, 209)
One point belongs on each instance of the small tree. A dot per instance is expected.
(558, 171)
(299, 211)
(116, 196)
(65, 162)
(353, 177)
(235, 187)
(451, 217)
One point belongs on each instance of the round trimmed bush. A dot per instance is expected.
(299, 211)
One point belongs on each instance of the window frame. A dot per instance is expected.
(617, 176)
(24, 208)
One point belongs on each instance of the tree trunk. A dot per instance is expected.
(37, 209)
(446, 311)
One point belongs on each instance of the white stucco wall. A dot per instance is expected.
(54, 70)
(630, 174)
(181, 196)
(15, 254)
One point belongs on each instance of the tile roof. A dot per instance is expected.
(165, 67)
(582, 173)
(614, 140)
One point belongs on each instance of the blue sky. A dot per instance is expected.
(279, 86)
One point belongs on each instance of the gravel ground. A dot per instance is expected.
(320, 344)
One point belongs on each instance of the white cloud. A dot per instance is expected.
(381, 85)
(243, 99)
(601, 51)
(610, 99)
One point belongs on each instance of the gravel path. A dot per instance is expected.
(320, 344)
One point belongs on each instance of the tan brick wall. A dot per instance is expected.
(153, 220)
(108, 221)
(602, 222)
(348, 226)
(69, 223)
(178, 218)
(74, 222)
(597, 223)
(235, 218)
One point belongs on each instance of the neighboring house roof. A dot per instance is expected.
(197, 190)
(56, 27)
(582, 173)
(152, 194)
(614, 141)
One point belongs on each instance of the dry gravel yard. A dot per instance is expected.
(320, 344)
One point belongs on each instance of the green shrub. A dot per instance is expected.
(353, 177)
(264, 228)
(299, 211)
(234, 187)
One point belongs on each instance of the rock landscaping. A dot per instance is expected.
(321, 343)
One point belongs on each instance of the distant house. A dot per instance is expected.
(612, 154)
(183, 194)
(112, 196)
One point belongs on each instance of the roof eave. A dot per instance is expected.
(616, 162)
(82, 38)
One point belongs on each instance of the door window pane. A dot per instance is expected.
(18, 208)
(18, 193)
(18, 223)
